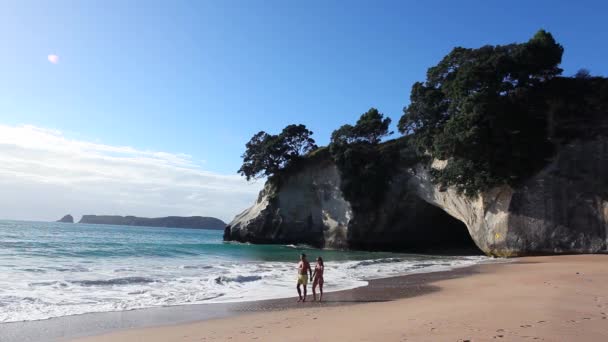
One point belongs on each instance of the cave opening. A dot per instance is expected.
(413, 226)
(446, 236)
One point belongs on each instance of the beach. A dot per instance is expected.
(553, 298)
(177, 172)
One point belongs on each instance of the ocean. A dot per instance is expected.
(57, 269)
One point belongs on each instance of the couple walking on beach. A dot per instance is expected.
(317, 278)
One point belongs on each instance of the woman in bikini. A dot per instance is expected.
(317, 277)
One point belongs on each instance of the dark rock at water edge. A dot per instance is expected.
(198, 222)
(67, 219)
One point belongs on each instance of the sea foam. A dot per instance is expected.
(54, 270)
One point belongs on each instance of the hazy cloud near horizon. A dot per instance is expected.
(44, 175)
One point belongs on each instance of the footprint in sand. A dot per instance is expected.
(526, 326)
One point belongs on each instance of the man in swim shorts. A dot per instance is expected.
(304, 271)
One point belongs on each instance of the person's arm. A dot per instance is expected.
(313, 274)
(310, 271)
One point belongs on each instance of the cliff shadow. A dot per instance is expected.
(411, 225)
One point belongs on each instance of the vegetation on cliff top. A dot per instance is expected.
(266, 154)
(495, 113)
(364, 167)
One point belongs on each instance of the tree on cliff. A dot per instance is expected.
(483, 111)
(267, 154)
(370, 128)
(364, 167)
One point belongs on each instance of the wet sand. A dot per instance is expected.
(556, 298)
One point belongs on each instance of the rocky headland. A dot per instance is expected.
(199, 222)
(499, 153)
(561, 209)
(66, 219)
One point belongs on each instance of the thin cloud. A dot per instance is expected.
(45, 175)
(53, 58)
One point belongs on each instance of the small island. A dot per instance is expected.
(67, 219)
(197, 222)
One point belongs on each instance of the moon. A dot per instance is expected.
(53, 59)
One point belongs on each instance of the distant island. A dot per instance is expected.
(67, 219)
(198, 222)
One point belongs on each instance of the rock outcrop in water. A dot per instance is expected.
(561, 209)
(67, 219)
(199, 222)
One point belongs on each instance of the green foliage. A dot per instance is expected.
(319, 153)
(370, 128)
(365, 166)
(365, 171)
(495, 113)
(296, 141)
(266, 155)
(577, 107)
(484, 110)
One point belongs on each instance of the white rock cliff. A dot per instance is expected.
(562, 209)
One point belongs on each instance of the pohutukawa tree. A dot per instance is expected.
(364, 167)
(266, 155)
(371, 127)
(483, 111)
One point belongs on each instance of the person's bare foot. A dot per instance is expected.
(299, 300)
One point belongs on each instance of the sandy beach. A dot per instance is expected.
(556, 298)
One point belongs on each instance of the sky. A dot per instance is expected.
(144, 107)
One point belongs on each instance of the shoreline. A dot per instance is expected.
(100, 323)
(547, 298)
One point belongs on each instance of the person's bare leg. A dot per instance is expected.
(314, 292)
(300, 293)
(304, 299)
(320, 292)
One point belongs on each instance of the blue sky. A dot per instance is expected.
(200, 78)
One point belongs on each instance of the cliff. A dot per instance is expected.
(309, 207)
(561, 209)
(67, 219)
(199, 222)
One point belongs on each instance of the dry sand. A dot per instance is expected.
(557, 298)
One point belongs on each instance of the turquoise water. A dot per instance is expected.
(57, 269)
